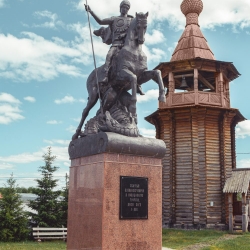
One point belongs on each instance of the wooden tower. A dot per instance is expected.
(198, 127)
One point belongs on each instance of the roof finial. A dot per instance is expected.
(192, 9)
(192, 43)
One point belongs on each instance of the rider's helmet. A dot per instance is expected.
(125, 2)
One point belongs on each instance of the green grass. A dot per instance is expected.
(239, 243)
(53, 245)
(179, 239)
(172, 238)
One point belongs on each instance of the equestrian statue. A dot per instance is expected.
(125, 69)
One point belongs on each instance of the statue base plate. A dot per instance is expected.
(107, 142)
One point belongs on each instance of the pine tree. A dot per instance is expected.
(13, 220)
(47, 204)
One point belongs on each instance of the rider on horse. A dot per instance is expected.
(115, 34)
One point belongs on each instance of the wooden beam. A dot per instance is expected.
(230, 203)
(177, 81)
(205, 82)
(186, 75)
(244, 214)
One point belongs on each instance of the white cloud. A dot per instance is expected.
(65, 99)
(54, 122)
(83, 44)
(1, 3)
(9, 109)
(59, 149)
(82, 100)
(244, 163)
(60, 152)
(147, 132)
(60, 142)
(215, 12)
(67, 164)
(154, 55)
(38, 59)
(243, 129)
(224, 12)
(22, 158)
(30, 99)
(151, 94)
(68, 99)
(78, 119)
(9, 113)
(154, 38)
(5, 97)
(171, 49)
(60, 41)
(53, 19)
(71, 129)
(24, 180)
(5, 166)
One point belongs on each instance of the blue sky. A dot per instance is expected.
(45, 58)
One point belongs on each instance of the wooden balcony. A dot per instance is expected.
(195, 98)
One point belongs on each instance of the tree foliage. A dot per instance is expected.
(29, 190)
(13, 220)
(64, 203)
(47, 205)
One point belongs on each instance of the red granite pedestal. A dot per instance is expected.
(94, 201)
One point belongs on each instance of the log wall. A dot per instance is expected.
(213, 167)
(184, 171)
(197, 162)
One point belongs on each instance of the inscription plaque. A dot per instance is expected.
(133, 197)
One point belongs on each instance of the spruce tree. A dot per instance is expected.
(46, 205)
(13, 220)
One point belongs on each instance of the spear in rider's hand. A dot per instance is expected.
(93, 51)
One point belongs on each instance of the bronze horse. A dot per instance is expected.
(129, 69)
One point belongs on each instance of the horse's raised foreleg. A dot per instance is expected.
(128, 76)
(92, 99)
(156, 76)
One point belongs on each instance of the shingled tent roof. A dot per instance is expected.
(192, 43)
(238, 182)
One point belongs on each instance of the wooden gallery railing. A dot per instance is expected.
(195, 98)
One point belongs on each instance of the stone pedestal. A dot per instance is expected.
(94, 193)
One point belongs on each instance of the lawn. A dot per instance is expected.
(53, 245)
(240, 243)
(205, 240)
(178, 239)
(175, 239)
